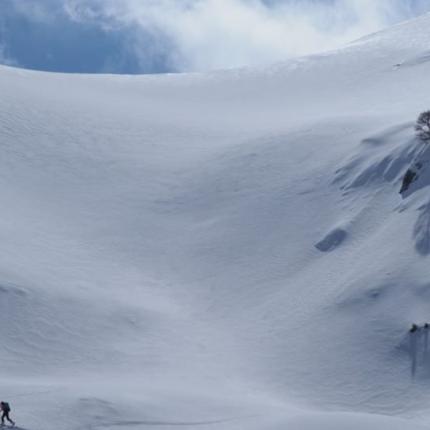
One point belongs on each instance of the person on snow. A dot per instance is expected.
(5, 408)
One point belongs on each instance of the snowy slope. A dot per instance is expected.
(227, 250)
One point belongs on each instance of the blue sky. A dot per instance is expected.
(157, 36)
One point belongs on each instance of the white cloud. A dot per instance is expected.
(212, 34)
(189, 35)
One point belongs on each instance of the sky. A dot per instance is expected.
(159, 36)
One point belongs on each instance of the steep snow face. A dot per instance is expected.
(226, 250)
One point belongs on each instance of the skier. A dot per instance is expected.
(5, 408)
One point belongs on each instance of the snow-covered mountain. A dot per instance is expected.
(226, 250)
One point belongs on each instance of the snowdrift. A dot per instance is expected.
(226, 250)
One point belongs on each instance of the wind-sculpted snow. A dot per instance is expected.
(419, 59)
(332, 240)
(374, 163)
(422, 230)
(227, 250)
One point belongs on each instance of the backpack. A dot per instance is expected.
(5, 407)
